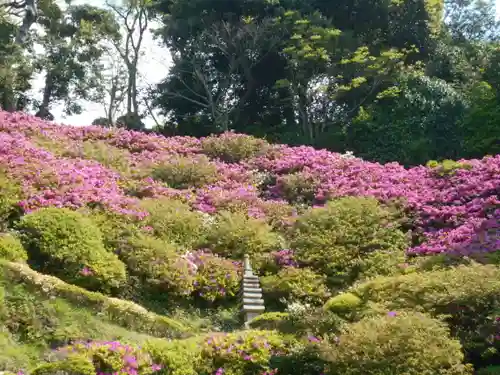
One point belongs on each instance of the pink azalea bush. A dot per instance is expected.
(456, 212)
(102, 358)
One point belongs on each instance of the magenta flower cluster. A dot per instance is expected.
(284, 258)
(457, 213)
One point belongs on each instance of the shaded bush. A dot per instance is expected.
(233, 148)
(408, 343)
(339, 239)
(182, 172)
(301, 284)
(10, 194)
(11, 248)
(68, 244)
(235, 234)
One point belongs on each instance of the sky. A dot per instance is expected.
(153, 67)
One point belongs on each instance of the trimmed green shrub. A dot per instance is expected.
(233, 148)
(343, 303)
(158, 264)
(235, 234)
(75, 365)
(67, 244)
(340, 239)
(174, 221)
(468, 297)
(116, 229)
(410, 343)
(182, 172)
(11, 248)
(181, 357)
(271, 321)
(297, 284)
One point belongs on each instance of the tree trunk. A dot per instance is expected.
(28, 20)
(43, 110)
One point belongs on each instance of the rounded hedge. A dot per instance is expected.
(406, 343)
(157, 263)
(174, 221)
(235, 234)
(342, 303)
(335, 239)
(11, 248)
(182, 172)
(271, 321)
(68, 245)
(297, 284)
(233, 148)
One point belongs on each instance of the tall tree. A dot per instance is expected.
(133, 16)
(73, 46)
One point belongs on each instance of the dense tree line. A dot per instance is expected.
(401, 80)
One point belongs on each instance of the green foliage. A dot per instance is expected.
(11, 248)
(68, 244)
(10, 194)
(235, 234)
(270, 321)
(343, 239)
(480, 125)
(75, 304)
(182, 172)
(447, 167)
(301, 284)
(408, 343)
(418, 124)
(233, 148)
(12, 355)
(158, 264)
(174, 221)
(181, 357)
(490, 370)
(344, 302)
(467, 296)
(75, 365)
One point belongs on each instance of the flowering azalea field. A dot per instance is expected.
(121, 253)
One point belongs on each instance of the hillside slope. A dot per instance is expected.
(109, 235)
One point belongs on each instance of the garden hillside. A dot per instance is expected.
(121, 253)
